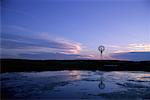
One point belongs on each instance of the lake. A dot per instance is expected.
(76, 84)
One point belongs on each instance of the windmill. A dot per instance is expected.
(101, 49)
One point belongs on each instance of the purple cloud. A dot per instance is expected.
(53, 56)
(19, 46)
(134, 56)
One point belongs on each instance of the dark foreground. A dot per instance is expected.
(16, 65)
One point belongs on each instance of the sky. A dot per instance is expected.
(73, 29)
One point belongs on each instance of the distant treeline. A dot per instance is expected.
(15, 65)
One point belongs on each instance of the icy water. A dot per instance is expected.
(76, 85)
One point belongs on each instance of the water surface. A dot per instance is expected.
(76, 84)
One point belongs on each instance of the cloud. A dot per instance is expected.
(134, 47)
(24, 46)
(140, 47)
(134, 56)
(133, 51)
(54, 56)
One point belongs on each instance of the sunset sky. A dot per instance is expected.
(73, 29)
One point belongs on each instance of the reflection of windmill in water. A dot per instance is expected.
(101, 48)
(101, 79)
(101, 85)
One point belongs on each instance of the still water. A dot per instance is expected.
(76, 84)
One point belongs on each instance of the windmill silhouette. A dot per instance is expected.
(101, 49)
